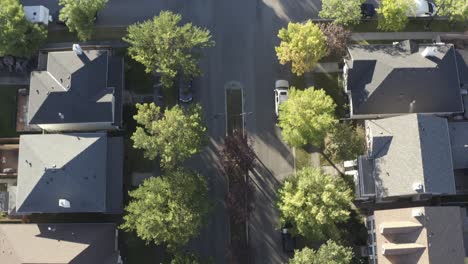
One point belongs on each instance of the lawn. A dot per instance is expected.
(302, 159)
(8, 111)
(136, 79)
(64, 35)
(331, 83)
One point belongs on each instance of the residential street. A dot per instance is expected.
(245, 34)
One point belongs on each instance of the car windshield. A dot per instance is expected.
(431, 9)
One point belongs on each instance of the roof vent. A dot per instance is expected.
(64, 203)
(62, 116)
(77, 49)
(417, 212)
(418, 187)
(429, 52)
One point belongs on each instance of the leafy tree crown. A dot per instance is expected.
(303, 45)
(345, 12)
(306, 117)
(329, 253)
(314, 203)
(19, 37)
(174, 135)
(168, 210)
(80, 15)
(162, 45)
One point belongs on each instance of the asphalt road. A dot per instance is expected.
(245, 32)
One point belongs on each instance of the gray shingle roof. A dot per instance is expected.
(387, 79)
(408, 150)
(459, 143)
(74, 167)
(84, 243)
(77, 89)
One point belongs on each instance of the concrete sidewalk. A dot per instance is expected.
(397, 35)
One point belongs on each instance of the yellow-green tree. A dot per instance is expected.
(79, 16)
(329, 253)
(345, 12)
(174, 135)
(306, 117)
(168, 210)
(302, 45)
(457, 10)
(393, 14)
(314, 202)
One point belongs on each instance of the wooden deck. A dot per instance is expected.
(22, 113)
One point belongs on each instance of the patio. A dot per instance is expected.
(9, 149)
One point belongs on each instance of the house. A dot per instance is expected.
(9, 149)
(80, 90)
(419, 235)
(69, 173)
(413, 154)
(401, 78)
(83, 243)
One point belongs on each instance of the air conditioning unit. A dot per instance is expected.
(429, 52)
(64, 203)
(417, 212)
(418, 187)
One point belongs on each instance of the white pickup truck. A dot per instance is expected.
(37, 14)
(422, 8)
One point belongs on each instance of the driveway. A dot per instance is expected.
(245, 32)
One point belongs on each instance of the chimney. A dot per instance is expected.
(77, 49)
(429, 52)
(64, 203)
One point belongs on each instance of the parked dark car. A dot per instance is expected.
(185, 89)
(367, 10)
(289, 242)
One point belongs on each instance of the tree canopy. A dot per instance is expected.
(186, 258)
(174, 135)
(329, 253)
(306, 117)
(393, 14)
(337, 38)
(18, 37)
(303, 45)
(79, 16)
(169, 209)
(314, 203)
(343, 12)
(162, 45)
(457, 10)
(345, 142)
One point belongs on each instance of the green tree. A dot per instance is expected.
(18, 37)
(345, 142)
(162, 45)
(343, 12)
(175, 135)
(302, 44)
(329, 253)
(168, 210)
(457, 10)
(79, 16)
(185, 258)
(306, 117)
(393, 14)
(314, 203)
